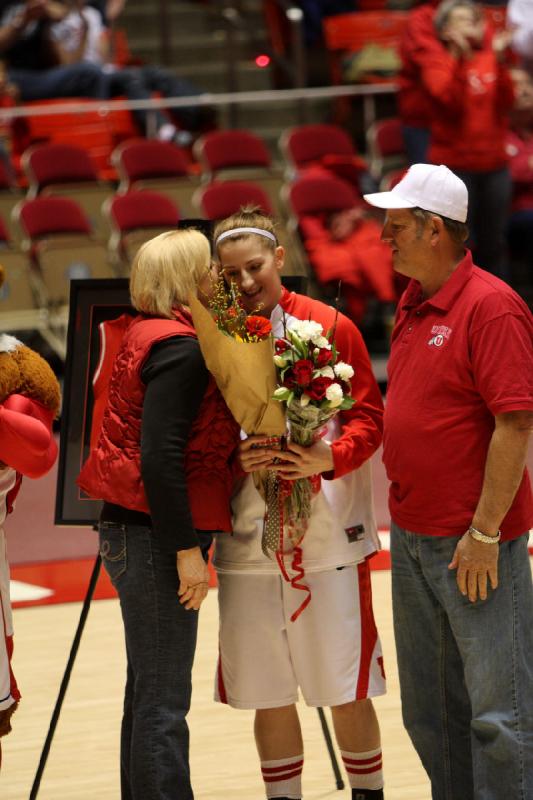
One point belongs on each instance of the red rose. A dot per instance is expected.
(317, 389)
(281, 346)
(303, 372)
(258, 326)
(231, 312)
(289, 381)
(323, 357)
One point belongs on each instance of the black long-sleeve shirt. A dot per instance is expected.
(176, 378)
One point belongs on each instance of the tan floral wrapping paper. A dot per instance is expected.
(245, 374)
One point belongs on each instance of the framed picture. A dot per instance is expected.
(92, 302)
(95, 306)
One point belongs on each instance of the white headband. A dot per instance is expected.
(233, 231)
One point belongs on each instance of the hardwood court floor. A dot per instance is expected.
(83, 762)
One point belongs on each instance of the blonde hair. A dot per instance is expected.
(166, 269)
(247, 217)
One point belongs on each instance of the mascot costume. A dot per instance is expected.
(29, 402)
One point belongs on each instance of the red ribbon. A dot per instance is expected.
(297, 567)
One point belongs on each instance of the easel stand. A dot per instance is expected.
(66, 677)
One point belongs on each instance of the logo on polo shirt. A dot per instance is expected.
(439, 335)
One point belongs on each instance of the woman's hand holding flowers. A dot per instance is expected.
(254, 454)
(302, 462)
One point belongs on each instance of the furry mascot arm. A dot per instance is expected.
(26, 441)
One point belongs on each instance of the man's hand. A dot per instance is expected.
(475, 562)
(194, 578)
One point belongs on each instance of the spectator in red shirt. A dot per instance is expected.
(345, 246)
(457, 418)
(414, 104)
(519, 147)
(471, 96)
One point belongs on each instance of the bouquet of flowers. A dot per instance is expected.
(232, 319)
(238, 351)
(314, 385)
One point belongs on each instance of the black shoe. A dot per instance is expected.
(367, 794)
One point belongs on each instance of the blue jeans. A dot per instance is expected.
(466, 669)
(160, 642)
(72, 80)
(138, 83)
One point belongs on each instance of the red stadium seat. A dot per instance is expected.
(49, 165)
(134, 218)
(146, 159)
(222, 198)
(351, 32)
(55, 168)
(386, 146)
(346, 34)
(239, 155)
(158, 166)
(316, 194)
(59, 240)
(98, 132)
(19, 293)
(49, 216)
(327, 146)
(230, 149)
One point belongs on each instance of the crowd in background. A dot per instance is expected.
(465, 100)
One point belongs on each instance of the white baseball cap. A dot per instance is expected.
(429, 187)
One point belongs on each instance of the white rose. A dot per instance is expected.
(335, 395)
(343, 371)
(307, 330)
(321, 341)
(326, 372)
(305, 400)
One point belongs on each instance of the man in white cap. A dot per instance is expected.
(458, 412)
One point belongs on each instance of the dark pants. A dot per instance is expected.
(489, 199)
(416, 142)
(160, 642)
(73, 80)
(520, 235)
(138, 83)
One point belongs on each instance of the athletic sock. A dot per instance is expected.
(365, 773)
(283, 777)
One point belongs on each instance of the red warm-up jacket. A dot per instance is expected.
(470, 100)
(418, 39)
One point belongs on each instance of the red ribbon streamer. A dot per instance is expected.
(297, 553)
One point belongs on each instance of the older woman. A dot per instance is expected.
(165, 484)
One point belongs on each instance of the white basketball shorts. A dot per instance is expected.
(331, 651)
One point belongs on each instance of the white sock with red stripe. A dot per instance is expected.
(283, 777)
(365, 770)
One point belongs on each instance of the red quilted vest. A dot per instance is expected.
(112, 471)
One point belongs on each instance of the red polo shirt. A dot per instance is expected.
(457, 360)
